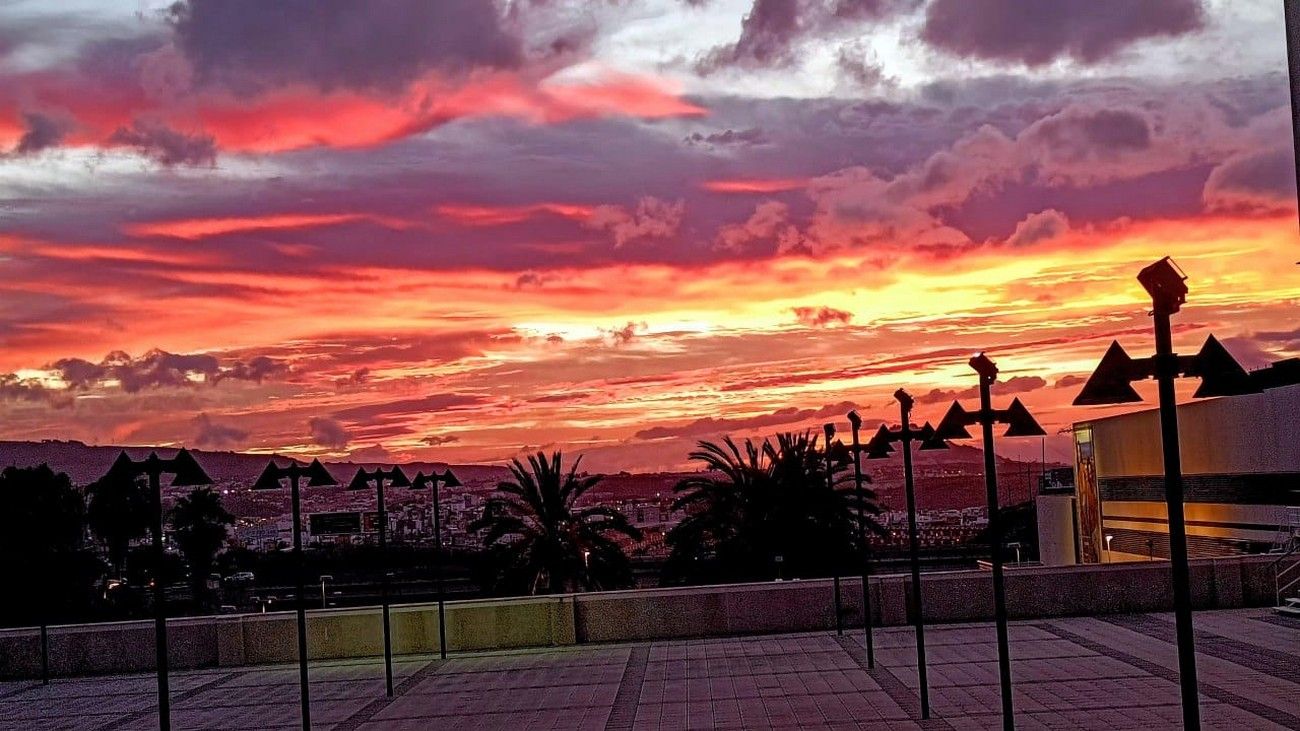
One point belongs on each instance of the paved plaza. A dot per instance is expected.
(1116, 672)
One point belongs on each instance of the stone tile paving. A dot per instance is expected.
(1077, 673)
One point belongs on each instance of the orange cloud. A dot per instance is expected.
(754, 185)
(483, 215)
(298, 117)
(198, 228)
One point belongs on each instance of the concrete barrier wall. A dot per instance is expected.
(646, 614)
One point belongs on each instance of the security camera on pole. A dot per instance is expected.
(1220, 375)
(1020, 424)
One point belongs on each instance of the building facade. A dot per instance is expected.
(1241, 467)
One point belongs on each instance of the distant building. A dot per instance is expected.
(1241, 467)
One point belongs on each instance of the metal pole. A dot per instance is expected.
(160, 601)
(1166, 370)
(866, 559)
(1291, 14)
(383, 585)
(995, 541)
(914, 541)
(303, 687)
(437, 568)
(835, 565)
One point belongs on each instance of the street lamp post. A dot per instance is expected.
(855, 422)
(187, 473)
(395, 478)
(1220, 375)
(879, 448)
(420, 482)
(1020, 424)
(317, 476)
(829, 430)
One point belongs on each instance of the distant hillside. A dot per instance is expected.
(951, 478)
(85, 463)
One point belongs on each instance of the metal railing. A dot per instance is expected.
(1286, 572)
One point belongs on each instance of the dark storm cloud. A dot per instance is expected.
(729, 138)
(439, 440)
(383, 44)
(771, 29)
(209, 434)
(166, 146)
(821, 316)
(328, 433)
(1013, 385)
(159, 368)
(42, 132)
(1037, 33)
(1256, 179)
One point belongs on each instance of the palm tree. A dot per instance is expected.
(118, 510)
(41, 545)
(767, 502)
(542, 542)
(199, 522)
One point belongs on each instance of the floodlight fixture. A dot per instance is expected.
(1221, 375)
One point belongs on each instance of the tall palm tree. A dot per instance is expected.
(118, 510)
(199, 522)
(542, 541)
(764, 502)
(41, 545)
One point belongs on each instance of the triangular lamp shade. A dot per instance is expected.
(953, 424)
(270, 479)
(1111, 383)
(421, 482)
(187, 470)
(449, 479)
(1021, 422)
(1221, 374)
(318, 476)
(123, 468)
(360, 482)
(398, 478)
(928, 439)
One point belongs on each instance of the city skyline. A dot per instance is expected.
(619, 228)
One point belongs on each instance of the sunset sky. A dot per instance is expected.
(454, 230)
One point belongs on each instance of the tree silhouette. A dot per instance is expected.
(539, 539)
(41, 545)
(199, 523)
(767, 502)
(118, 510)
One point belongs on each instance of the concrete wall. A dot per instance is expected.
(649, 614)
